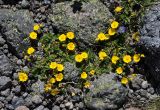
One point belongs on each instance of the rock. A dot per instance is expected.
(69, 105)
(1, 105)
(19, 62)
(136, 82)
(106, 93)
(17, 89)
(22, 108)
(56, 107)
(71, 72)
(25, 4)
(150, 43)
(26, 69)
(41, 107)
(5, 82)
(15, 27)
(86, 19)
(144, 85)
(6, 66)
(2, 41)
(36, 99)
(38, 87)
(153, 104)
(133, 108)
(16, 101)
(5, 92)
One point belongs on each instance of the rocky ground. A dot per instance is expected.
(17, 18)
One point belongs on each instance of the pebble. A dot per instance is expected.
(144, 85)
(69, 105)
(5, 82)
(2, 41)
(22, 108)
(36, 99)
(62, 106)
(41, 107)
(25, 4)
(5, 92)
(56, 107)
(26, 69)
(19, 62)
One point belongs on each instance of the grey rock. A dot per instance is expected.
(25, 4)
(1, 105)
(5, 92)
(19, 62)
(17, 89)
(106, 93)
(6, 66)
(25, 94)
(1, 2)
(10, 97)
(25, 69)
(56, 107)
(28, 101)
(16, 26)
(136, 82)
(150, 42)
(5, 82)
(22, 108)
(62, 106)
(145, 85)
(69, 105)
(16, 101)
(41, 107)
(38, 87)
(36, 99)
(2, 41)
(92, 18)
(151, 90)
(9, 107)
(71, 72)
(81, 105)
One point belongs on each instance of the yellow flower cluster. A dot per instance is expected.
(81, 57)
(54, 65)
(69, 35)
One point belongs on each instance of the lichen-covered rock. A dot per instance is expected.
(6, 66)
(15, 26)
(153, 104)
(86, 19)
(106, 93)
(150, 42)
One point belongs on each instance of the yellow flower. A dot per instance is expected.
(142, 55)
(92, 72)
(102, 37)
(118, 9)
(55, 92)
(52, 80)
(119, 70)
(136, 36)
(59, 77)
(136, 58)
(48, 87)
(70, 35)
(87, 84)
(60, 67)
(84, 55)
(124, 80)
(114, 59)
(62, 37)
(53, 65)
(111, 31)
(23, 77)
(78, 58)
(33, 35)
(84, 75)
(102, 55)
(36, 27)
(30, 50)
(127, 59)
(114, 24)
(71, 46)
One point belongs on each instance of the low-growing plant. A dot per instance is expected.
(114, 53)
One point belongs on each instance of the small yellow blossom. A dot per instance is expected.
(111, 31)
(33, 35)
(48, 87)
(92, 72)
(71, 46)
(84, 55)
(84, 75)
(136, 58)
(142, 55)
(124, 80)
(127, 59)
(30, 50)
(114, 24)
(55, 92)
(87, 84)
(59, 77)
(102, 55)
(114, 59)
(53, 65)
(78, 58)
(102, 37)
(70, 35)
(118, 9)
(62, 37)
(119, 70)
(136, 36)
(60, 67)
(23, 77)
(52, 80)
(36, 27)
